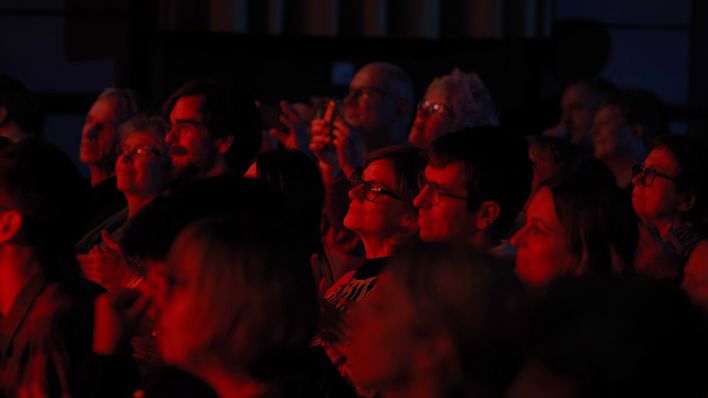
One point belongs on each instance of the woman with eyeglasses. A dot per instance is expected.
(142, 169)
(382, 215)
(671, 198)
(452, 102)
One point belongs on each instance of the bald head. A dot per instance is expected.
(380, 104)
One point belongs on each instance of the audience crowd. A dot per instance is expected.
(362, 247)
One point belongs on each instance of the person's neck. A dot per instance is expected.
(227, 384)
(18, 266)
(621, 165)
(375, 247)
(422, 387)
(100, 174)
(665, 225)
(137, 202)
(220, 168)
(480, 241)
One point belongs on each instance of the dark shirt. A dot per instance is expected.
(44, 342)
(105, 201)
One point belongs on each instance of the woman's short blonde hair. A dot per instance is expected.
(254, 303)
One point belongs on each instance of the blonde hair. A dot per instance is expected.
(254, 301)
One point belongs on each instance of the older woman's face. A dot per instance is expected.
(141, 167)
(435, 117)
(542, 244)
(658, 202)
(381, 217)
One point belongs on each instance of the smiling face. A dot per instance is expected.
(448, 219)
(141, 168)
(99, 136)
(190, 143)
(658, 203)
(385, 216)
(542, 244)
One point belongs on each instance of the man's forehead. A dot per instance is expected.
(450, 174)
(188, 107)
(371, 76)
(106, 108)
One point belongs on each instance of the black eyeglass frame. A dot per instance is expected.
(649, 174)
(357, 180)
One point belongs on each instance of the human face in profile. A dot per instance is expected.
(542, 244)
(142, 167)
(190, 143)
(99, 135)
(656, 197)
(377, 212)
(434, 118)
(442, 205)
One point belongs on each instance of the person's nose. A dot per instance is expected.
(422, 199)
(355, 193)
(171, 136)
(89, 131)
(518, 239)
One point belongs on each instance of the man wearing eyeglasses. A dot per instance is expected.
(212, 130)
(477, 181)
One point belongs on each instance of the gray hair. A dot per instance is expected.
(128, 102)
(471, 101)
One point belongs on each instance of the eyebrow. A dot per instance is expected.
(188, 121)
(539, 221)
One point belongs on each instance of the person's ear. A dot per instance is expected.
(224, 144)
(10, 224)
(687, 203)
(487, 213)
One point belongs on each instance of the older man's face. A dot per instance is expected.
(99, 136)
(372, 100)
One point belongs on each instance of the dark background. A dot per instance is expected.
(525, 50)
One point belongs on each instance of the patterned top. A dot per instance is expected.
(355, 286)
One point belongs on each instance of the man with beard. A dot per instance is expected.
(211, 130)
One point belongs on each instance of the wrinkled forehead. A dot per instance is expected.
(143, 137)
(373, 76)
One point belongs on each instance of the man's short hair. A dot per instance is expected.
(40, 182)
(643, 108)
(227, 111)
(128, 102)
(22, 107)
(497, 168)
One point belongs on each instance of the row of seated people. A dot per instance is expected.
(472, 263)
